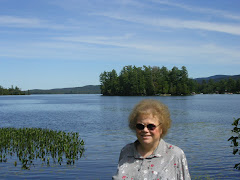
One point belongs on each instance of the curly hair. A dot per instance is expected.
(154, 107)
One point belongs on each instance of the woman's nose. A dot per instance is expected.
(145, 129)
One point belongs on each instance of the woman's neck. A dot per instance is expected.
(146, 150)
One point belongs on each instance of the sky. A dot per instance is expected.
(46, 44)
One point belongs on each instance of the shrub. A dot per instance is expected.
(235, 140)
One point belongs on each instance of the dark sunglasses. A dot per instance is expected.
(150, 127)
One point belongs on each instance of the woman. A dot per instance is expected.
(150, 157)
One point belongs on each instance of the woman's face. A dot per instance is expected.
(148, 137)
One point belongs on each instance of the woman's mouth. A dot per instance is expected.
(145, 136)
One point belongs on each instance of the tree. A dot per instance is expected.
(173, 78)
(114, 85)
(149, 86)
(140, 80)
(231, 85)
(203, 87)
(183, 81)
(124, 81)
(103, 82)
(156, 78)
(222, 86)
(1, 90)
(238, 86)
(211, 86)
(133, 81)
(164, 81)
(235, 140)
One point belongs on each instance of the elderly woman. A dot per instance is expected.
(150, 157)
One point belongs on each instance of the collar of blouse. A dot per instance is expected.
(158, 152)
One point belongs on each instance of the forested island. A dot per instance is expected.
(12, 91)
(150, 81)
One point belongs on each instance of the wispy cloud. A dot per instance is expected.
(176, 23)
(26, 22)
(119, 41)
(128, 42)
(93, 48)
(13, 21)
(210, 11)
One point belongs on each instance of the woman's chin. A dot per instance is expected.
(146, 140)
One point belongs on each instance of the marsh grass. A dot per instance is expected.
(32, 144)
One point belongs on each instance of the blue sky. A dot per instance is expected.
(47, 44)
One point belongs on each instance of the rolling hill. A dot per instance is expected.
(217, 78)
(89, 89)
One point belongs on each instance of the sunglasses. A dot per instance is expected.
(150, 127)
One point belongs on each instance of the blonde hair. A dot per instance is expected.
(154, 107)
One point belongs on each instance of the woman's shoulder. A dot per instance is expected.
(173, 149)
(128, 148)
(127, 151)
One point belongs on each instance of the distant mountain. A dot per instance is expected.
(90, 89)
(217, 78)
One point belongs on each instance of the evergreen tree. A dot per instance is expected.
(114, 84)
(231, 85)
(140, 81)
(173, 80)
(104, 83)
(149, 86)
(237, 86)
(164, 81)
(183, 81)
(124, 81)
(150, 81)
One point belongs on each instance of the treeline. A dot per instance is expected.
(220, 87)
(11, 91)
(148, 81)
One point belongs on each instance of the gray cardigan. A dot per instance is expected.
(168, 162)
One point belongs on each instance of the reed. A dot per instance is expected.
(30, 144)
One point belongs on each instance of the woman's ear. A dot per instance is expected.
(160, 131)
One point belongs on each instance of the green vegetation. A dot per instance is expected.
(11, 91)
(148, 81)
(49, 146)
(223, 86)
(235, 140)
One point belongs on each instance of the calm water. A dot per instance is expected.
(201, 127)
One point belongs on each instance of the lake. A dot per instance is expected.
(201, 126)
